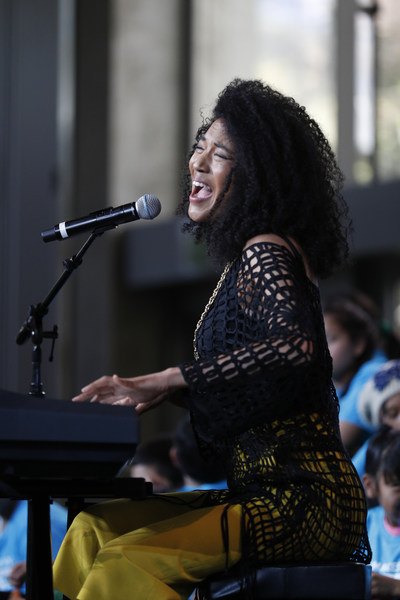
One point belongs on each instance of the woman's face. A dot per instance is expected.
(390, 412)
(388, 495)
(209, 168)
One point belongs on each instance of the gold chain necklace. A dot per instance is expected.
(207, 308)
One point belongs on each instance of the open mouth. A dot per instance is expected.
(200, 190)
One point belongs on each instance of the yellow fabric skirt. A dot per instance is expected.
(158, 548)
(161, 547)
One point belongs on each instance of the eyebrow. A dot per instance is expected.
(203, 138)
(223, 148)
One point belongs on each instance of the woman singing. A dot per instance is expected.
(265, 197)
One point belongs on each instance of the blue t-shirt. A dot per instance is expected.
(385, 544)
(217, 485)
(359, 458)
(13, 539)
(349, 400)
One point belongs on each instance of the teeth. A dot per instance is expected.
(202, 185)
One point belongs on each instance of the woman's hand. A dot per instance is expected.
(142, 393)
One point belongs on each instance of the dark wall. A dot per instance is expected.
(54, 87)
(88, 306)
(28, 172)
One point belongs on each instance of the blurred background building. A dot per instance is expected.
(99, 102)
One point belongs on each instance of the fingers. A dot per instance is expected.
(81, 398)
(103, 385)
(126, 401)
(98, 390)
(141, 393)
(140, 407)
(88, 396)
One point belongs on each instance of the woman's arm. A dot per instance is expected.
(272, 329)
(142, 393)
(268, 296)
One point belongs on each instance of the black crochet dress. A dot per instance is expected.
(261, 398)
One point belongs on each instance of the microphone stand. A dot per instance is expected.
(33, 326)
(39, 579)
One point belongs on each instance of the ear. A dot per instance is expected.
(173, 455)
(359, 346)
(369, 486)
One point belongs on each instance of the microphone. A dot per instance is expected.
(147, 207)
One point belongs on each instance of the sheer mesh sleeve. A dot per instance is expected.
(257, 342)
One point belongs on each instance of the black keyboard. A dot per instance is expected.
(60, 439)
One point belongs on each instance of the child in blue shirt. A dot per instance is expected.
(352, 324)
(382, 484)
(13, 541)
(379, 404)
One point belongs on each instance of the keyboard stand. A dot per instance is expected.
(40, 494)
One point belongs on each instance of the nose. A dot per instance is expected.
(200, 162)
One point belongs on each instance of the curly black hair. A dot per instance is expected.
(285, 179)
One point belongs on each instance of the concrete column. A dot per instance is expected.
(345, 86)
(218, 51)
(145, 101)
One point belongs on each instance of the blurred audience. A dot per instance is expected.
(197, 473)
(152, 461)
(13, 541)
(352, 324)
(379, 404)
(172, 462)
(382, 484)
